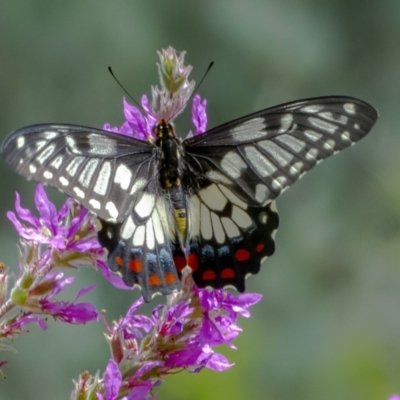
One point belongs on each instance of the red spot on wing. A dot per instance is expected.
(180, 263)
(193, 262)
(209, 275)
(154, 280)
(170, 278)
(119, 261)
(227, 273)
(136, 266)
(260, 247)
(242, 255)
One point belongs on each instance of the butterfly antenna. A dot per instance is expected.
(202, 79)
(122, 87)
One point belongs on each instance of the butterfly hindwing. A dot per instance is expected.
(142, 249)
(228, 239)
(100, 169)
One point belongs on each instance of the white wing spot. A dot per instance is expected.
(345, 136)
(217, 228)
(232, 164)
(323, 125)
(72, 145)
(63, 181)
(95, 204)
(123, 176)
(356, 126)
(341, 119)
(262, 193)
(230, 228)
(46, 153)
(145, 205)
(280, 155)
(218, 177)
(205, 222)
(312, 109)
(286, 121)
(213, 198)
(232, 198)
(293, 143)
(85, 178)
(279, 182)
(49, 134)
(150, 240)
(102, 145)
(103, 177)
(47, 174)
(329, 144)
(260, 163)
(112, 209)
(263, 217)
(79, 192)
(20, 141)
(241, 218)
(40, 144)
(312, 154)
(249, 130)
(350, 108)
(21, 161)
(128, 228)
(72, 167)
(139, 184)
(312, 135)
(57, 162)
(296, 168)
(138, 237)
(32, 169)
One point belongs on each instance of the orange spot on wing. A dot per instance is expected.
(154, 280)
(209, 275)
(242, 255)
(227, 273)
(119, 261)
(136, 266)
(193, 262)
(180, 263)
(260, 247)
(170, 278)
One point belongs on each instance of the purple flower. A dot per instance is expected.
(394, 397)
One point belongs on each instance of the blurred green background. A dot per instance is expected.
(328, 326)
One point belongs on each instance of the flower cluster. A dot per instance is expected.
(64, 239)
(179, 335)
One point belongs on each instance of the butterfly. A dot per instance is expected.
(206, 202)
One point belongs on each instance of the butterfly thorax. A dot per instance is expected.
(169, 156)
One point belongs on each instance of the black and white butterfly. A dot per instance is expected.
(206, 201)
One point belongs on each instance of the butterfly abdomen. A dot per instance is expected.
(169, 151)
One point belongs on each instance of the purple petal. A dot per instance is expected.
(147, 367)
(113, 278)
(46, 208)
(394, 397)
(112, 380)
(108, 127)
(85, 291)
(199, 115)
(140, 392)
(24, 213)
(135, 120)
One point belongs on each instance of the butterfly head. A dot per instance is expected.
(164, 129)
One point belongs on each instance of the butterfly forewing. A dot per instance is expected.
(102, 170)
(261, 155)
